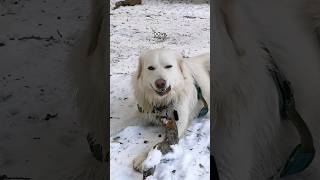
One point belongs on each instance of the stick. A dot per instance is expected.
(5, 177)
(126, 3)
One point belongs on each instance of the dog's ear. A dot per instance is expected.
(139, 68)
(181, 65)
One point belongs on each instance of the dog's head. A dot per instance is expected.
(160, 74)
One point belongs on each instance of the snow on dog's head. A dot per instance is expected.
(160, 76)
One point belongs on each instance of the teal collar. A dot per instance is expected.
(204, 110)
(302, 156)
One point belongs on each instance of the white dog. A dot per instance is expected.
(87, 68)
(251, 139)
(165, 83)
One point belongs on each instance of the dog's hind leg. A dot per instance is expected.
(87, 66)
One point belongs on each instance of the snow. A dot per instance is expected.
(153, 159)
(189, 159)
(33, 83)
(183, 26)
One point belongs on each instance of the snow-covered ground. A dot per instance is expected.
(40, 137)
(184, 26)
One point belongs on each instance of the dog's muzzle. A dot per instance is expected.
(163, 92)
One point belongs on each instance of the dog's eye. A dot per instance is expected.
(151, 68)
(168, 66)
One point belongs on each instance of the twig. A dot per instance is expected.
(190, 17)
(49, 116)
(59, 33)
(126, 3)
(37, 38)
(5, 177)
(159, 35)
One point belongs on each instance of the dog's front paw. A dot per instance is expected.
(138, 163)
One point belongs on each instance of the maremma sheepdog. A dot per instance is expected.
(265, 89)
(265, 83)
(166, 84)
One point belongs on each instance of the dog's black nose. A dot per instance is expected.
(160, 83)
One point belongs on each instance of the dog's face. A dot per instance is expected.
(159, 72)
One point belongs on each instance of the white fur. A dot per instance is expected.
(250, 140)
(181, 77)
(87, 68)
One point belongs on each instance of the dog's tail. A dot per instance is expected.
(88, 71)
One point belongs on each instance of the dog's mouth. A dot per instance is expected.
(162, 92)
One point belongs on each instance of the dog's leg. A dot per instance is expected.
(171, 138)
(182, 125)
(138, 161)
(87, 66)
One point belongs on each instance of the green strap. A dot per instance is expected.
(204, 110)
(304, 153)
